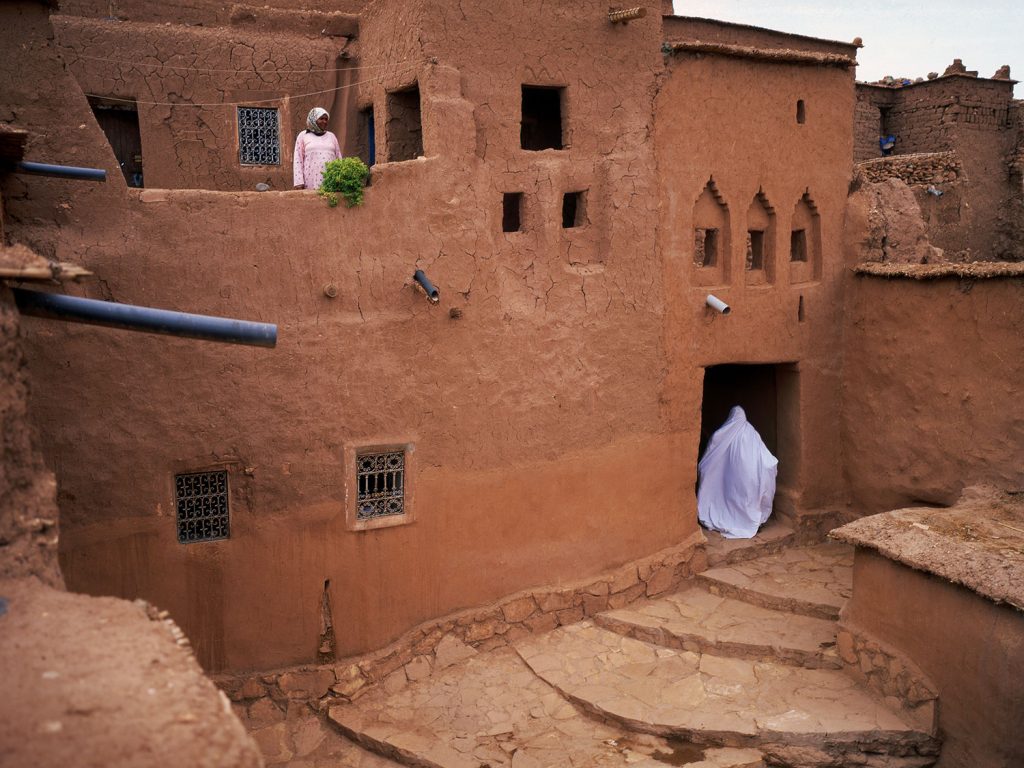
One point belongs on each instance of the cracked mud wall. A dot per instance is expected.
(28, 512)
(540, 446)
(931, 399)
(167, 69)
(705, 132)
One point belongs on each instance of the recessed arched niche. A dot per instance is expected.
(711, 239)
(759, 266)
(805, 241)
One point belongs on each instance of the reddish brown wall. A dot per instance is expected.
(540, 450)
(28, 513)
(931, 389)
(972, 116)
(971, 648)
(704, 131)
(186, 82)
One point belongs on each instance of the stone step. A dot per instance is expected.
(695, 620)
(812, 581)
(492, 710)
(807, 718)
(774, 536)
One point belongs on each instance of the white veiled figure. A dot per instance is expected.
(737, 479)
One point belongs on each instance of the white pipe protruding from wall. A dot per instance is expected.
(718, 305)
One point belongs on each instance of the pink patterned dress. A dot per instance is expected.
(311, 155)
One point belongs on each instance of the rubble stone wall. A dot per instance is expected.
(889, 673)
(931, 168)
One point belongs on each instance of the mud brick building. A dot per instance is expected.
(524, 453)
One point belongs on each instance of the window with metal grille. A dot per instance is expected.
(380, 484)
(202, 502)
(259, 141)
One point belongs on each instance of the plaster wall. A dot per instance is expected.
(203, 12)
(704, 132)
(931, 389)
(968, 646)
(540, 450)
(186, 81)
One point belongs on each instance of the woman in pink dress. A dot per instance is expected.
(314, 147)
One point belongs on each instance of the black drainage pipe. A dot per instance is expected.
(55, 306)
(433, 295)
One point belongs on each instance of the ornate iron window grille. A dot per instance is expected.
(202, 503)
(380, 483)
(258, 136)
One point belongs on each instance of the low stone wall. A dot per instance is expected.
(265, 699)
(889, 673)
(924, 168)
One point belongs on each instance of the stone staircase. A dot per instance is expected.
(739, 670)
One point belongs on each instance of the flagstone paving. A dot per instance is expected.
(700, 696)
(812, 581)
(734, 674)
(492, 710)
(696, 620)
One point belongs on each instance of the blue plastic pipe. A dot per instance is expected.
(61, 171)
(72, 309)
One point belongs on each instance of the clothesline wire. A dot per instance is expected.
(235, 71)
(246, 102)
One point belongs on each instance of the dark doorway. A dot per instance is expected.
(751, 387)
(770, 396)
(542, 118)
(120, 123)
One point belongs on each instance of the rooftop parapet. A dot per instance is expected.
(693, 33)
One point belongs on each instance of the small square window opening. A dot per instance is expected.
(512, 212)
(542, 118)
(380, 484)
(404, 129)
(798, 245)
(201, 499)
(259, 141)
(574, 209)
(705, 247)
(755, 249)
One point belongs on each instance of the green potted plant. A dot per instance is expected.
(347, 177)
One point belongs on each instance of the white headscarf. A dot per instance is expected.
(315, 114)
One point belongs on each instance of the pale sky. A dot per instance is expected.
(902, 38)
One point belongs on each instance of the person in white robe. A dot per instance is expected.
(737, 479)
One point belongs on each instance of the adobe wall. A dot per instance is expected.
(968, 646)
(790, 311)
(930, 382)
(186, 80)
(204, 12)
(972, 116)
(28, 512)
(540, 455)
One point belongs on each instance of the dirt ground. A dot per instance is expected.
(97, 682)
